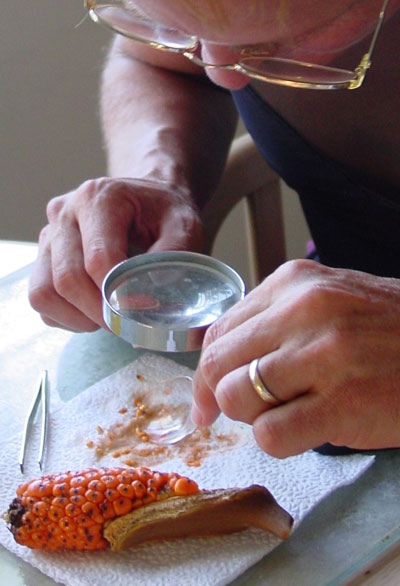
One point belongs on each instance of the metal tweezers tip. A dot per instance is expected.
(40, 398)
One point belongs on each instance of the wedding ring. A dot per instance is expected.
(259, 386)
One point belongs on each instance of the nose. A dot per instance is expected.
(223, 55)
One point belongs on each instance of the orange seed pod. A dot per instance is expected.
(69, 511)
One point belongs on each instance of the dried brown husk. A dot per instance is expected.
(214, 512)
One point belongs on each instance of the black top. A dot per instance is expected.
(354, 220)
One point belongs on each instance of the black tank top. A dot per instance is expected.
(354, 219)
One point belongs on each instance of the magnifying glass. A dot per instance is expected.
(165, 301)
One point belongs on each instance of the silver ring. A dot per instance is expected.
(259, 386)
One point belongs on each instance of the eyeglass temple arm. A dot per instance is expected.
(365, 63)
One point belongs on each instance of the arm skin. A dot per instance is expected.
(167, 132)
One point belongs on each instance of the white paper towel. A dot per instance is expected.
(297, 483)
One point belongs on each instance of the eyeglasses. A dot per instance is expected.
(123, 18)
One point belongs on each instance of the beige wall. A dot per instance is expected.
(49, 137)
(50, 63)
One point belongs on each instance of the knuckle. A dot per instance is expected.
(66, 283)
(39, 296)
(209, 365)
(232, 400)
(48, 321)
(271, 370)
(95, 257)
(227, 403)
(43, 234)
(312, 300)
(293, 269)
(268, 435)
(213, 332)
(98, 188)
(315, 297)
(54, 207)
(340, 348)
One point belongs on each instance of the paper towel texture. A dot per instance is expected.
(297, 483)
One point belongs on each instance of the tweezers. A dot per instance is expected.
(39, 399)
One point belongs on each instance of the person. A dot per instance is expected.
(317, 339)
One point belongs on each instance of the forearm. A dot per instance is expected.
(165, 125)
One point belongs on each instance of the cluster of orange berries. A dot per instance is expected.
(68, 511)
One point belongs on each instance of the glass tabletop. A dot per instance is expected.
(343, 533)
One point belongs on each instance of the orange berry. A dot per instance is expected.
(126, 490)
(39, 489)
(80, 480)
(153, 492)
(144, 474)
(22, 488)
(75, 490)
(83, 520)
(60, 501)
(110, 481)
(55, 513)
(60, 489)
(159, 479)
(54, 529)
(72, 510)
(184, 486)
(94, 496)
(149, 497)
(41, 508)
(60, 478)
(97, 485)
(111, 494)
(122, 506)
(137, 503)
(92, 474)
(92, 511)
(67, 524)
(107, 510)
(139, 489)
(77, 500)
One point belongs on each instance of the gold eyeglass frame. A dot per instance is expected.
(358, 75)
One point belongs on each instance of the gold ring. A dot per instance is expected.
(259, 386)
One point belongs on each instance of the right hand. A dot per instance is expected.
(93, 228)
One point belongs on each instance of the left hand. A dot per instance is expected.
(329, 347)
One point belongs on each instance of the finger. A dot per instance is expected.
(55, 311)
(70, 279)
(245, 309)
(273, 289)
(228, 351)
(180, 230)
(294, 427)
(291, 371)
(104, 222)
(205, 409)
(237, 398)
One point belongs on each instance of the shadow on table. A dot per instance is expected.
(90, 357)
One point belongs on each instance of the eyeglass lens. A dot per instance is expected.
(131, 23)
(295, 71)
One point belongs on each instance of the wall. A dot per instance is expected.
(49, 139)
(50, 62)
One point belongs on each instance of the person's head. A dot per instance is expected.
(312, 31)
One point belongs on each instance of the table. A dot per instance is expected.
(351, 538)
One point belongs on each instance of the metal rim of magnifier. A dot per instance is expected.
(161, 338)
